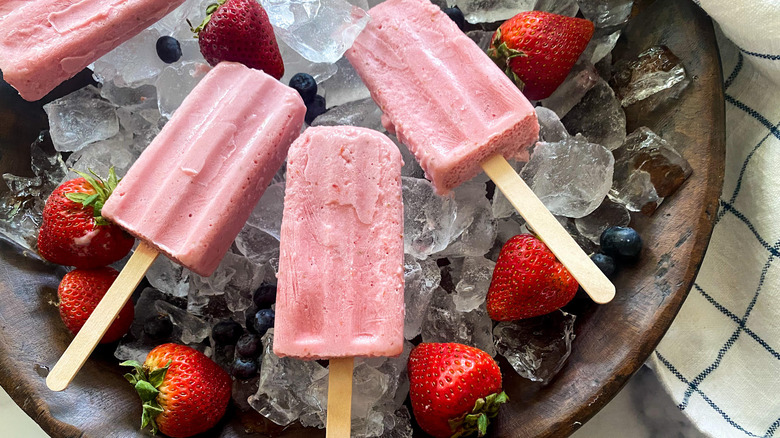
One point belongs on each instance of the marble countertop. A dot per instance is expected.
(641, 410)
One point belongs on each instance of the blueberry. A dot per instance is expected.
(227, 332)
(261, 321)
(315, 108)
(158, 327)
(243, 368)
(456, 15)
(605, 263)
(305, 85)
(168, 49)
(265, 295)
(249, 345)
(622, 243)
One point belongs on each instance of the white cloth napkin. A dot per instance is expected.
(720, 360)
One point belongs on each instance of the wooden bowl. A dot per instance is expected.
(612, 340)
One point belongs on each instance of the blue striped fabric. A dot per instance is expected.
(720, 361)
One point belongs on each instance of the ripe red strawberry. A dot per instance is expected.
(73, 233)
(184, 393)
(454, 389)
(528, 281)
(538, 49)
(81, 290)
(239, 31)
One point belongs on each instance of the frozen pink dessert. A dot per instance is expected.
(193, 188)
(45, 42)
(341, 275)
(447, 101)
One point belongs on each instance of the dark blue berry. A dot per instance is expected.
(168, 49)
(265, 295)
(305, 85)
(249, 346)
(227, 332)
(315, 108)
(605, 263)
(158, 327)
(261, 321)
(457, 16)
(622, 243)
(243, 368)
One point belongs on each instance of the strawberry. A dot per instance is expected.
(454, 389)
(184, 393)
(73, 233)
(538, 49)
(81, 290)
(239, 31)
(528, 281)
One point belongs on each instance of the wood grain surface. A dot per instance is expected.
(612, 341)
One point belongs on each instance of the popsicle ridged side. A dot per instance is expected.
(193, 188)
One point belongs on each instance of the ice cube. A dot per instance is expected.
(295, 63)
(568, 8)
(487, 11)
(236, 278)
(551, 129)
(570, 177)
(582, 77)
(600, 45)
(137, 344)
(411, 166)
(428, 218)
(421, 278)
(364, 113)
(474, 229)
(133, 63)
(344, 86)
(474, 282)
(655, 70)
(502, 208)
(81, 118)
(22, 206)
(175, 83)
(283, 384)
(609, 214)
(141, 96)
(647, 170)
(537, 348)
(606, 13)
(193, 329)
(169, 277)
(320, 30)
(267, 214)
(100, 156)
(599, 117)
(444, 323)
(257, 245)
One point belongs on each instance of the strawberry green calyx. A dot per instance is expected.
(501, 54)
(146, 384)
(103, 190)
(478, 419)
(210, 9)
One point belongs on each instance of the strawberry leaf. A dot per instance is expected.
(157, 376)
(146, 390)
(482, 424)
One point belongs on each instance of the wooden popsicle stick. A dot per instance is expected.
(104, 314)
(549, 230)
(339, 422)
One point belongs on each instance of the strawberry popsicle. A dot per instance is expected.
(193, 188)
(45, 42)
(447, 101)
(341, 277)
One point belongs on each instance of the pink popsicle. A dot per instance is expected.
(193, 188)
(340, 284)
(45, 42)
(447, 100)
